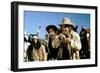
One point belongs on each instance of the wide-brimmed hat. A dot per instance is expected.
(52, 27)
(66, 22)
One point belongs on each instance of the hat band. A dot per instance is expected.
(66, 25)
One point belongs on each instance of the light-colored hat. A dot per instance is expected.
(66, 22)
(35, 37)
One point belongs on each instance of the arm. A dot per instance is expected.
(75, 42)
(44, 54)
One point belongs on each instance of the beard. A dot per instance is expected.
(52, 37)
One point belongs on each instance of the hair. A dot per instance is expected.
(32, 46)
(53, 27)
(36, 45)
(55, 31)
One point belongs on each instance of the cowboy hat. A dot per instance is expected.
(66, 22)
(52, 27)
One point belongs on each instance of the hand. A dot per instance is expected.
(68, 40)
(64, 39)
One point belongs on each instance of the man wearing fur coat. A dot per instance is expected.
(70, 41)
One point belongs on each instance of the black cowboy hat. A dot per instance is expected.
(53, 27)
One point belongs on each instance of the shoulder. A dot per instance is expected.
(75, 33)
(42, 46)
(30, 46)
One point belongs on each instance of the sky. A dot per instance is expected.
(33, 19)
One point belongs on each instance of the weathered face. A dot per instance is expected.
(52, 34)
(65, 30)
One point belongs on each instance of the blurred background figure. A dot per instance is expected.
(26, 44)
(75, 28)
(38, 30)
(85, 40)
(36, 51)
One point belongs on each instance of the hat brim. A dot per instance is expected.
(67, 25)
(51, 27)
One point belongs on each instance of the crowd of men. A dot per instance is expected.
(61, 44)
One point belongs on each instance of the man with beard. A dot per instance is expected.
(53, 42)
(69, 40)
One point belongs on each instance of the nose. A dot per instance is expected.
(51, 33)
